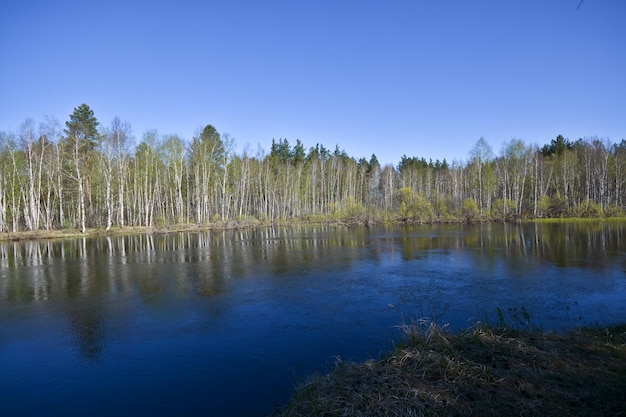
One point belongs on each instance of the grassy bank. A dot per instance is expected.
(252, 223)
(117, 231)
(174, 228)
(483, 371)
(580, 220)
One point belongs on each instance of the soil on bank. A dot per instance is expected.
(483, 371)
(120, 231)
(247, 224)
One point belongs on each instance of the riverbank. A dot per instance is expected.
(483, 371)
(128, 230)
(247, 224)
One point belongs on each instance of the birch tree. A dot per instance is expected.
(228, 144)
(516, 159)
(4, 174)
(14, 182)
(50, 132)
(619, 153)
(118, 148)
(34, 152)
(147, 169)
(206, 158)
(481, 168)
(173, 154)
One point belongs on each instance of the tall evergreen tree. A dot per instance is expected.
(83, 126)
(82, 139)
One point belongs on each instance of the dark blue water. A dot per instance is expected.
(225, 323)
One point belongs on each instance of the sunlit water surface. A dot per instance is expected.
(225, 323)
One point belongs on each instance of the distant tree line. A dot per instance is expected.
(84, 176)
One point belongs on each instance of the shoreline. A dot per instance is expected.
(485, 371)
(117, 231)
(43, 234)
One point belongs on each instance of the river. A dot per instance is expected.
(225, 323)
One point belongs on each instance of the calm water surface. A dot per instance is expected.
(224, 323)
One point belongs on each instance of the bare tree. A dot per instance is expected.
(114, 156)
(34, 161)
(50, 129)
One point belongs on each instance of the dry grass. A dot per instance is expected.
(127, 230)
(38, 235)
(483, 371)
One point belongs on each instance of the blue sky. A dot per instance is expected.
(421, 78)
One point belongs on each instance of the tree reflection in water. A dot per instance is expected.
(191, 318)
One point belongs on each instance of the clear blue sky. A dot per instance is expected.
(423, 78)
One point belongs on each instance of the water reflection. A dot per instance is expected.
(82, 274)
(590, 245)
(206, 262)
(240, 305)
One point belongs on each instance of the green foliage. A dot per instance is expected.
(503, 208)
(374, 162)
(413, 206)
(587, 209)
(441, 208)
(280, 151)
(415, 163)
(543, 206)
(207, 147)
(405, 197)
(298, 153)
(352, 212)
(83, 127)
(481, 152)
(552, 207)
(613, 210)
(557, 146)
(515, 319)
(180, 181)
(470, 209)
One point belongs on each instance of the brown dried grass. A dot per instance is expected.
(483, 371)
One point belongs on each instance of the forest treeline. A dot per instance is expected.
(83, 175)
